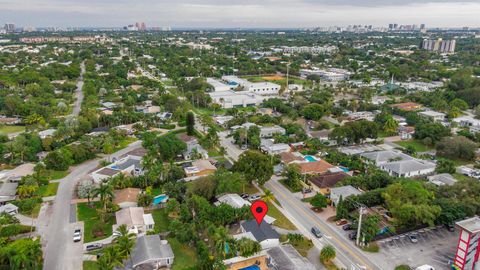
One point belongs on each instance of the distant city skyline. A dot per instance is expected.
(240, 13)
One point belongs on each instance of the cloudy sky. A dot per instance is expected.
(240, 13)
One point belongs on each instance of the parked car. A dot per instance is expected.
(413, 238)
(347, 227)
(244, 196)
(316, 231)
(450, 227)
(352, 235)
(341, 222)
(306, 190)
(93, 246)
(77, 235)
(253, 198)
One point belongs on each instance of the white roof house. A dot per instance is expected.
(442, 179)
(433, 115)
(232, 99)
(380, 157)
(47, 133)
(468, 121)
(130, 165)
(233, 199)
(151, 252)
(9, 209)
(409, 168)
(135, 219)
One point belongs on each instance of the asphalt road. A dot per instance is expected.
(304, 218)
(232, 150)
(60, 252)
(78, 92)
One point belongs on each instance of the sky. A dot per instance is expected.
(239, 13)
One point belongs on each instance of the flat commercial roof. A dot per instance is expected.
(471, 225)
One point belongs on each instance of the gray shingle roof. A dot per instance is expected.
(405, 166)
(385, 156)
(287, 258)
(262, 232)
(150, 247)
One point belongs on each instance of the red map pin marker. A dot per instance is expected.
(259, 210)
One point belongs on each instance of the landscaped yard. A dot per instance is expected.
(90, 218)
(55, 175)
(11, 129)
(417, 145)
(124, 143)
(161, 219)
(90, 265)
(302, 246)
(185, 256)
(281, 221)
(48, 190)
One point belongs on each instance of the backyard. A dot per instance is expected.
(11, 129)
(417, 145)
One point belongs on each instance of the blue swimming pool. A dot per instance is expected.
(345, 169)
(251, 267)
(160, 199)
(310, 158)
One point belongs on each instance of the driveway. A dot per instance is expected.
(60, 252)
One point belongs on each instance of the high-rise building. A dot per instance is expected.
(422, 26)
(143, 27)
(10, 27)
(467, 254)
(439, 45)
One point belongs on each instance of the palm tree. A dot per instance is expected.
(327, 254)
(221, 237)
(125, 241)
(268, 196)
(110, 259)
(390, 125)
(105, 191)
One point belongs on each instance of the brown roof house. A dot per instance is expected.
(317, 167)
(126, 197)
(328, 180)
(407, 106)
(200, 167)
(289, 157)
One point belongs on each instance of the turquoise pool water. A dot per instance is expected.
(160, 199)
(345, 169)
(310, 158)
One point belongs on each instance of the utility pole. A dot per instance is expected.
(359, 224)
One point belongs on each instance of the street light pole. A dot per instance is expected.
(359, 224)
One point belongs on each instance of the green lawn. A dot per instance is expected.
(185, 256)
(48, 190)
(281, 221)
(302, 246)
(124, 143)
(90, 218)
(90, 265)
(461, 177)
(161, 219)
(419, 146)
(55, 175)
(11, 129)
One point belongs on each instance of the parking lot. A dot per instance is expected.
(435, 247)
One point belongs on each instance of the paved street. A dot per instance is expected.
(60, 252)
(232, 150)
(78, 92)
(304, 218)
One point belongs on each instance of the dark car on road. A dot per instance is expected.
(347, 227)
(316, 231)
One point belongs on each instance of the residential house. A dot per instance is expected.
(433, 115)
(324, 182)
(194, 150)
(200, 167)
(222, 120)
(402, 121)
(135, 219)
(129, 165)
(126, 197)
(233, 199)
(443, 179)
(47, 133)
(258, 261)
(16, 174)
(264, 234)
(268, 132)
(9, 208)
(406, 132)
(289, 157)
(409, 168)
(343, 192)
(9, 120)
(380, 157)
(8, 192)
(286, 257)
(322, 135)
(268, 146)
(407, 106)
(151, 252)
(316, 167)
(468, 121)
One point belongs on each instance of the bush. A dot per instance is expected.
(167, 126)
(27, 205)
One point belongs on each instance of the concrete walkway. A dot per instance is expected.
(24, 220)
